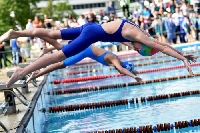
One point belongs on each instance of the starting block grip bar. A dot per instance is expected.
(19, 83)
(29, 60)
(22, 65)
(24, 89)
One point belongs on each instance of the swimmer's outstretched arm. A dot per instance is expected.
(46, 70)
(142, 38)
(122, 70)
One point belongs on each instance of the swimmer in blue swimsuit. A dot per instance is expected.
(84, 36)
(100, 55)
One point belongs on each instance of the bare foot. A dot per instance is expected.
(15, 77)
(188, 67)
(44, 51)
(6, 36)
(33, 76)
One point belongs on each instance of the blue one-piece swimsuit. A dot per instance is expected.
(86, 53)
(88, 34)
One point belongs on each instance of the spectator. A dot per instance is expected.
(82, 20)
(24, 50)
(66, 25)
(140, 22)
(172, 6)
(74, 23)
(146, 16)
(187, 26)
(135, 14)
(69, 19)
(42, 43)
(15, 52)
(111, 8)
(184, 8)
(197, 27)
(125, 6)
(92, 18)
(153, 6)
(150, 29)
(3, 54)
(48, 23)
(91, 11)
(171, 29)
(29, 25)
(102, 14)
(181, 30)
(142, 4)
(37, 23)
(159, 28)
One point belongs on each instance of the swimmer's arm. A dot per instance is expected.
(128, 44)
(46, 70)
(146, 33)
(122, 70)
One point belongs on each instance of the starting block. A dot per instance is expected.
(24, 88)
(9, 106)
(22, 65)
(29, 60)
(3, 107)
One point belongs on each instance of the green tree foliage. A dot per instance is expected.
(22, 11)
(58, 11)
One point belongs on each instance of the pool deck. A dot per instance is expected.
(12, 121)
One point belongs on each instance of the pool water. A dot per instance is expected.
(171, 110)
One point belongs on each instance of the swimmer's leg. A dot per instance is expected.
(38, 64)
(141, 37)
(46, 70)
(66, 34)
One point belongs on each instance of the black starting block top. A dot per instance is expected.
(19, 83)
(22, 65)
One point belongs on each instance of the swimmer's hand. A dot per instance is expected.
(190, 58)
(138, 79)
(188, 67)
(135, 72)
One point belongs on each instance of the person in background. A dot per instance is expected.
(22, 42)
(15, 52)
(37, 23)
(170, 28)
(111, 8)
(3, 54)
(82, 20)
(188, 26)
(197, 27)
(48, 23)
(181, 30)
(125, 6)
(29, 25)
(157, 24)
(146, 15)
(74, 23)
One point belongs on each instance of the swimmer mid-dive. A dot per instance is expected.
(100, 55)
(83, 37)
